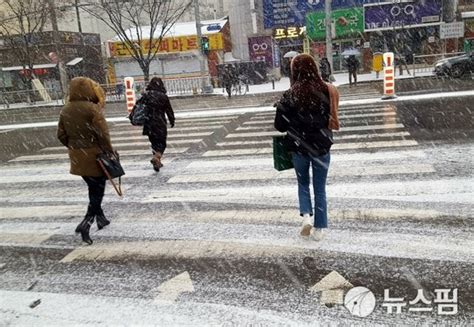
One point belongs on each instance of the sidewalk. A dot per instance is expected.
(280, 86)
(341, 79)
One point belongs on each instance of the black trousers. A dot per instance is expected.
(96, 194)
(158, 140)
(352, 74)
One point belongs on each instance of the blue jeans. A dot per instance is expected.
(320, 166)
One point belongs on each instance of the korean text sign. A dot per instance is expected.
(388, 16)
(284, 13)
(346, 22)
(168, 45)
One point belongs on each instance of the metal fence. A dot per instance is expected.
(174, 86)
(114, 92)
(425, 63)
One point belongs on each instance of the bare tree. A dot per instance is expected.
(24, 19)
(139, 24)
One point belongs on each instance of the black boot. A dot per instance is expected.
(101, 220)
(84, 228)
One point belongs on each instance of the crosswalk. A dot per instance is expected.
(218, 196)
(227, 160)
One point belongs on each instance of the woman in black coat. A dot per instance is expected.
(159, 107)
(307, 112)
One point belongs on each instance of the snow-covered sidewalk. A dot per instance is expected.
(341, 79)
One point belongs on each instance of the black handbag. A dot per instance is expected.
(110, 164)
(281, 156)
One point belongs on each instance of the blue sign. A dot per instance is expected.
(214, 27)
(391, 16)
(285, 13)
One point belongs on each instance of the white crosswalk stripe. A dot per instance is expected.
(123, 153)
(171, 131)
(139, 143)
(272, 174)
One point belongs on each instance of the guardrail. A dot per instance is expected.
(174, 86)
(425, 63)
(114, 92)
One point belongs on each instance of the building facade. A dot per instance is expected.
(68, 20)
(178, 54)
(80, 54)
(268, 29)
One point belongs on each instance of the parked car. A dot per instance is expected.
(455, 66)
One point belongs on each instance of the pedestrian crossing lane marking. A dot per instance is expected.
(290, 174)
(139, 143)
(353, 123)
(171, 131)
(335, 147)
(344, 129)
(348, 158)
(123, 153)
(341, 116)
(41, 211)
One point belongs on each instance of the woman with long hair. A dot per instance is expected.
(308, 113)
(158, 105)
(83, 130)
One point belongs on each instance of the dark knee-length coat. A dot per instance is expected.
(82, 127)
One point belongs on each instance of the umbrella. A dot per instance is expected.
(291, 54)
(351, 52)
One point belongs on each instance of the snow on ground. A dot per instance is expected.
(341, 79)
(206, 112)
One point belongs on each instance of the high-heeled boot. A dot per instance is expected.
(156, 161)
(84, 228)
(101, 220)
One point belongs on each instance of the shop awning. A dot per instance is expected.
(467, 14)
(17, 68)
(75, 61)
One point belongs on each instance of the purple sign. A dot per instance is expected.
(261, 49)
(391, 16)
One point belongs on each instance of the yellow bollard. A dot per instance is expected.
(377, 63)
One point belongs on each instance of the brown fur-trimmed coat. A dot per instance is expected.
(82, 127)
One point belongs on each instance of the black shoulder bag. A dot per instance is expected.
(109, 162)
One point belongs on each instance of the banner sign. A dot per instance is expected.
(276, 56)
(288, 33)
(261, 49)
(451, 30)
(168, 45)
(389, 16)
(346, 22)
(284, 13)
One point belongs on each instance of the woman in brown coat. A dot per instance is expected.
(83, 130)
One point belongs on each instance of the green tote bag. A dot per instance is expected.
(281, 157)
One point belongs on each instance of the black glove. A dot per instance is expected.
(172, 124)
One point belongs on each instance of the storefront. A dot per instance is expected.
(289, 39)
(177, 55)
(408, 29)
(468, 18)
(347, 33)
(15, 77)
